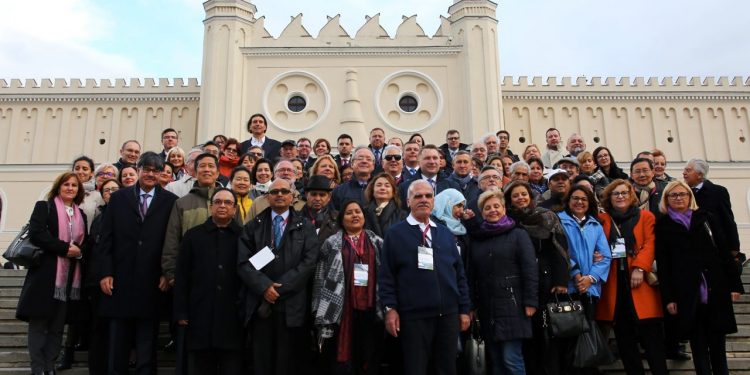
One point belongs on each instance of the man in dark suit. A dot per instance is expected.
(169, 140)
(363, 166)
(377, 144)
(345, 147)
(132, 238)
(257, 126)
(304, 153)
(277, 253)
(452, 145)
(429, 168)
(714, 199)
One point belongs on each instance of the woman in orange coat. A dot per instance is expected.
(628, 301)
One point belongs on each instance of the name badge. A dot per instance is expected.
(618, 249)
(360, 274)
(262, 258)
(459, 249)
(424, 258)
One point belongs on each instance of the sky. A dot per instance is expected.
(164, 38)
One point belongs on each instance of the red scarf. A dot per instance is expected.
(360, 298)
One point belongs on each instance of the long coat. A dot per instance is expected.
(299, 248)
(130, 251)
(207, 288)
(682, 255)
(390, 215)
(503, 277)
(715, 199)
(646, 299)
(36, 298)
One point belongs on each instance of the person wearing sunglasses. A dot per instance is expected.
(393, 163)
(278, 251)
(207, 290)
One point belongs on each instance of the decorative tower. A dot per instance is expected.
(228, 26)
(474, 27)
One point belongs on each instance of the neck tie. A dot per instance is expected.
(144, 204)
(277, 230)
(412, 171)
(344, 162)
(695, 190)
(432, 183)
(377, 157)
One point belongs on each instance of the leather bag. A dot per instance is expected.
(566, 318)
(475, 354)
(21, 251)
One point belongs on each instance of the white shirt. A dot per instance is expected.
(257, 142)
(149, 198)
(284, 215)
(413, 221)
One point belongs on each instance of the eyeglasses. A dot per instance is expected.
(423, 196)
(579, 199)
(256, 154)
(395, 157)
(222, 202)
(453, 138)
(490, 177)
(641, 171)
(681, 195)
(105, 174)
(110, 190)
(620, 193)
(232, 150)
(150, 170)
(279, 192)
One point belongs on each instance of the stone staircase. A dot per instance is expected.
(14, 358)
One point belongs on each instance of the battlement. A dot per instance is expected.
(371, 33)
(101, 86)
(627, 84)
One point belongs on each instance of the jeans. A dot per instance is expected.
(507, 357)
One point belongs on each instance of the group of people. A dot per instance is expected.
(279, 258)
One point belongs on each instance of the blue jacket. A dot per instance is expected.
(582, 242)
(416, 293)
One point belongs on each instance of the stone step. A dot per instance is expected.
(735, 364)
(74, 371)
(10, 357)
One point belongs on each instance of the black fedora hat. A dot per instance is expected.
(318, 182)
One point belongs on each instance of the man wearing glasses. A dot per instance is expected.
(393, 164)
(283, 170)
(169, 140)
(132, 238)
(647, 190)
(452, 145)
(207, 289)
(278, 250)
(363, 165)
(423, 288)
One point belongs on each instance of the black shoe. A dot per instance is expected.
(66, 360)
(169, 347)
(679, 355)
(51, 372)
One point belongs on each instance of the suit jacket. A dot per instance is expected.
(447, 153)
(337, 158)
(297, 255)
(441, 184)
(130, 251)
(271, 148)
(715, 200)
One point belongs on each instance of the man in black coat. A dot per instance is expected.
(257, 126)
(714, 199)
(277, 254)
(132, 238)
(363, 165)
(647, 190)
(317, 210)
(452, 145)
(207, 290)
(429, 168)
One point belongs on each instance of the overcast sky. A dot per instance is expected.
(163, 38)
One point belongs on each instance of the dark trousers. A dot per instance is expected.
(277, 349)
(123, 334)
(366, 348)
(649, 334)
(709, 348)
(541, 353)
(215, 361)
(430, 344)
(98, 337)
(45, 339)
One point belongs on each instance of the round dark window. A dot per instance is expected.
(408, 103)
(296, 103)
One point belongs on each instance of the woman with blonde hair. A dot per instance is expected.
(176, 157)
(325, 165)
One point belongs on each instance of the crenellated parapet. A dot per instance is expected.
(103, 86)
(592, 85)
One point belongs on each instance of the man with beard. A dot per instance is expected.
(559, 184)
(283, 170)
(364, 164)
(553, 153)
(426, 302)
(503, 136)
(277, 254)
(345, 151)
(377, 144)
(132, 238)
(575, 145)
(317, 210)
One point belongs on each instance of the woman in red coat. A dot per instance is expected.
(628, 301)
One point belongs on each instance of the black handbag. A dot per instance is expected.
(565, 319)
(474, 352)
(21, 251)
(591, 349)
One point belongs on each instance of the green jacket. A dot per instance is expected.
(188, 212)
